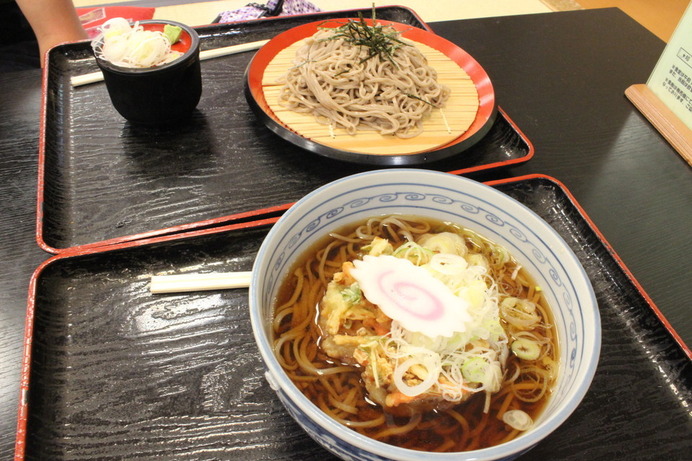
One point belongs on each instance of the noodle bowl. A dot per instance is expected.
(343, 415)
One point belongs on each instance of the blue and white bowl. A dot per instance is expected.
(444, 197)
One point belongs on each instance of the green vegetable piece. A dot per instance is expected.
(414, 253)
(172, 33)
(374, 38)
(526, 349)
(473, 369)
(352, 294)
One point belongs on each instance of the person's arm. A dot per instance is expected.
(53, 22)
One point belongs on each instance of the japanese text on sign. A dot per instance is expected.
(671, 79)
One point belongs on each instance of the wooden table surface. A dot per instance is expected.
(561, 77)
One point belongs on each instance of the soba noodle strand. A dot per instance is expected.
(505, 405)
(465, 429)
(398, 430)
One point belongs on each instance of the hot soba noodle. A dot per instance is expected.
(417, 333)
(363, 77)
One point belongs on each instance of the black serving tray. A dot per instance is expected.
(103, 180)
(113, 372)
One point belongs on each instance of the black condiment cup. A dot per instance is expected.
(159, 95)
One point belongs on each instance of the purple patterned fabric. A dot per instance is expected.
(255, 10)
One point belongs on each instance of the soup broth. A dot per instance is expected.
(357, 364)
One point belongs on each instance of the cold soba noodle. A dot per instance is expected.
(360, 76)
(463, 359)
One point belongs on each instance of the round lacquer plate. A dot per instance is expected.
(464, 120)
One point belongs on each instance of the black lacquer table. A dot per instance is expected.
(599, 173)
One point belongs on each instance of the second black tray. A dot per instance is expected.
(113, 372)
(103, 180)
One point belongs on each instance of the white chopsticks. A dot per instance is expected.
(79, 80)
(183, 283)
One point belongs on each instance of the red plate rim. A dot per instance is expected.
(480, 78)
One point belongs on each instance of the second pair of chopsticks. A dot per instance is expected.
(93, 77)
(183, 283)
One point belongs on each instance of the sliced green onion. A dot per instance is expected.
(414, 253)
(473, 369)
(517, 419)
(526, 349)
(432, 372)
(352, 294)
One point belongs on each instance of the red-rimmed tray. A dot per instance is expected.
(483, 121)
(103, 181)
(113, 372)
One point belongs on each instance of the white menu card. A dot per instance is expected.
(671, 79)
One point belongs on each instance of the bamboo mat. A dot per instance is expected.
(442, 127)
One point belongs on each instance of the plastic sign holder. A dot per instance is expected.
(666, 98)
